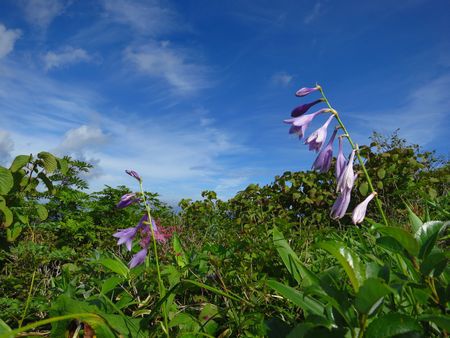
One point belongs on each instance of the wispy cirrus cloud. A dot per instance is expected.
(8, 38)
(64, 57)
(314, 14)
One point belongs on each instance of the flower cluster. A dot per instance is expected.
(344, 172)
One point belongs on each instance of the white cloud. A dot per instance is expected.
(6, 146)
(314, 13)
(66, 56)
(8, 37)
(282, 78)
(79, 139)
(175, 66)
(42, 12)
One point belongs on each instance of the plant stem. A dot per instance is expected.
(160, 282)
(27, 304)
(361, 162)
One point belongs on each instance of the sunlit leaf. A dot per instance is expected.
(391, 325)
(403, 237)
(6, 181)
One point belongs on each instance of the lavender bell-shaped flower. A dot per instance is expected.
(360, 210)
(305, 91)
(126, 237)
(299, 124)
(340, 205)
(340, 160)
(127, 200)
(347, 178)
(138, 258)
(134, 174)
(300, 110)
(316, 139)
(323, 160)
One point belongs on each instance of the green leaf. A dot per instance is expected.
(380, 185)
(4, 329)
(63, 165)
(110, 284)
(115, 265)
(8, 215)
(180, 254)
(391, 325)
(381, 173)
(49, 161)
(414, 220)
(428, 234)
(308, 304)
(6, 181)
(348, 260)
(363, 188)
(434, 264)
(370, 295)
(406, 240)
(42, 212)
(46, 181)
(19, 162)
(440, 320)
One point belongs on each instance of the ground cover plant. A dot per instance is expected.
(355, 247)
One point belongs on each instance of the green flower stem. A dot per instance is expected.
(160, 282)
(361, 162)
(30, 293)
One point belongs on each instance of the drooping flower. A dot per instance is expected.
(300, 110)
(299, 124)
(305, 91)
(127, 200)
(323, 160)
(340, 205)
(316, 139)
(134, 174)
(138, 258)
(126, 237)
(340, 160)
(347, 177)
(360, 210)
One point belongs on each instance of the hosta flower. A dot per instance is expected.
(340, 160)
(340, 206)
(134, 174)
(138, 258)
(316, 139)
(360, 211)
(300, 110)
(127, 200)
(347, 178)
(126, 237)
(305, 91)
(299, 124)
(323, 160)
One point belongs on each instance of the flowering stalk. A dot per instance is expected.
(355, 147)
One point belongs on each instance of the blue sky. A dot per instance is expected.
(192, 94)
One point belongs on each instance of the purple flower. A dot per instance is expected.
(340, 206)
(305, 91)
(323, 160)
(340, 160)
(347, 178)
(134, 174)
(143, 222)
(360, 210)
(138, 258)
(316, 139)
(299, 124)
(127, 200)
(126, 236)
(300, 110)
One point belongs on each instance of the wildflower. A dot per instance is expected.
(347, 178)
(360, 211)
(340, 160)
(305, 91)
(299, 124)
(127, 200)
(341, 204)
(323, 160)
(134, 174)
(300, 110)
(126, 236)
(138, 258)
(316, 139)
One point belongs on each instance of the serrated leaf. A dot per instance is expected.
(363, 188)
(6, 180)
(115, 265)
(19, 162)
(392, 324)
(370, 295)
(7, 215)
(403, 237)
(41, 212)
(49, 161)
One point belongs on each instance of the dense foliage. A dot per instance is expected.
(268, 262)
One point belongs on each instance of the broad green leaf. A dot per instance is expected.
(348, 260)
(6, 181)
(46, 181)
(414, 220)
(308, 304)
(4, 328)
(13, 232)
(49, 161)
(406, 240)
(428, 234)
(110, 284)
(391, 325)
(63, 165)
(19, 162)
(370, 295)
(115, 265)
(180, 254)
(381, 173)
(290, 259)
(7, 215)
(441, 321)
(434, 264)
(363, 188)
(42, 212)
